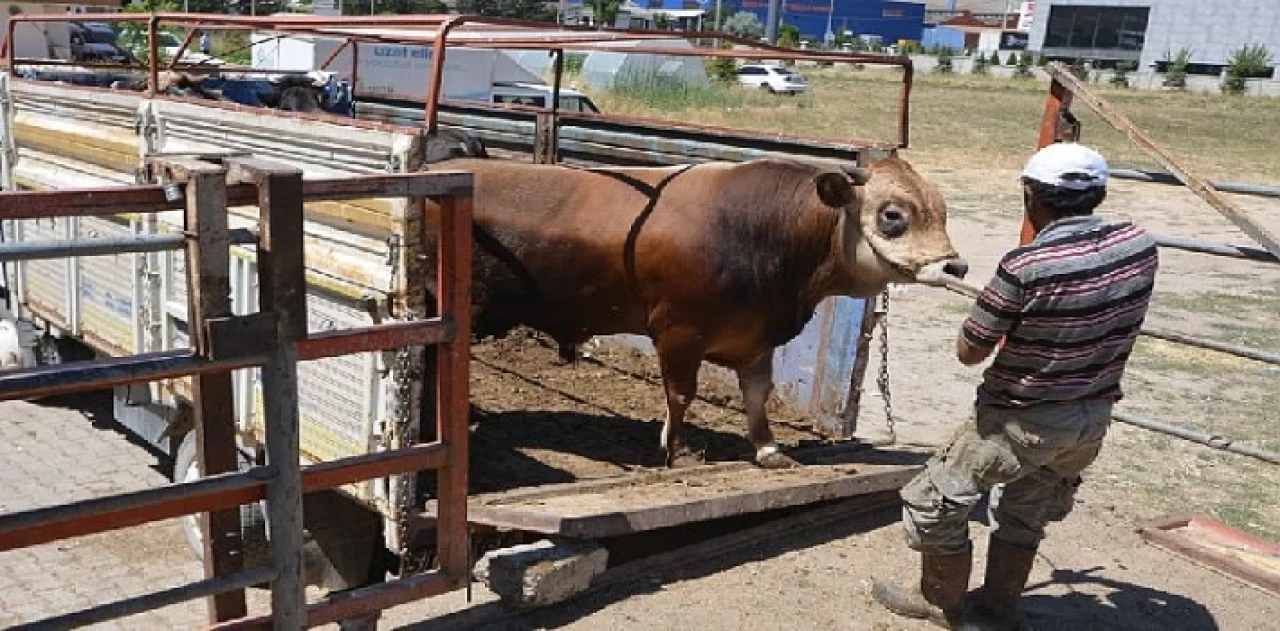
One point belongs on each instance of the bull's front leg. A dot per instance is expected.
(680, 353)
(756, 382)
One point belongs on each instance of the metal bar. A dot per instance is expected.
(1107, 112)
(182, 50)
(209, 297)
(419, 457)
(453, 363)
(1217, 249)
(155, 600)
(972, 291)
(904, 104)
(114, 512)
(37, 250)
(334, 55)
(1209, 440)
(357, 602)
(153, 55)
(376, 338)
(435, 79)
(107, 201)
(101, 514)
(282, 289)
(47, 381)
(1213, 345)
(1059, 101)
(1164, 177)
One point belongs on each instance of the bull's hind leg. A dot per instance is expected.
(757, 383)
(680, 353)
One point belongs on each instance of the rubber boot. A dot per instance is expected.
(939, 598)
(996, 603)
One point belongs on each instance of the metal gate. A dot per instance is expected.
(275, 338)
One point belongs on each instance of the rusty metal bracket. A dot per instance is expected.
(235, 337)
(1198, 185)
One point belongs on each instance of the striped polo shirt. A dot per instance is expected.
(1069, 306)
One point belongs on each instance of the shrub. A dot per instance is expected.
(1246, 62)
(1023, 69)
(979, 65)
(944, 61)
(1175, 72)
(1120, 78)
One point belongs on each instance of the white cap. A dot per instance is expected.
(1068, 165)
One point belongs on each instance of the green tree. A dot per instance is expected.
(944, 61)
(604, 12)
(1023, 69)
(1175, 68)
(979, 65)
(661, 21)
(743, 24)
(1120, 78)
(788, 36)
(521, 9)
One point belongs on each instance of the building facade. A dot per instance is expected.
(1148, 31)
(889, 20)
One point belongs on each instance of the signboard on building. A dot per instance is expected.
(1014, 40)
(1026, 12)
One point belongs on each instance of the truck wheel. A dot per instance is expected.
(253, 527)
(299, 99)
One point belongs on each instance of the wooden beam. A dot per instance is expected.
(1198, 185)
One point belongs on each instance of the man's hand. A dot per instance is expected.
(968, 354)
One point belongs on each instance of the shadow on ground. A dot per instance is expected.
(1099, 602)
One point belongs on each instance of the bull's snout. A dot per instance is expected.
(956, 267)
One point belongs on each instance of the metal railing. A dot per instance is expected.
(1058, 125)
(276, 339)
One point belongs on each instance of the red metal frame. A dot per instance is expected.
(468, 31)
(450, 331)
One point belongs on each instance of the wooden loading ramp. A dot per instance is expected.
(610, 506)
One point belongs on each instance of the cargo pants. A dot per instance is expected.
(1030, 459)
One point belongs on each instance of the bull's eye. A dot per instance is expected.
(893, 222)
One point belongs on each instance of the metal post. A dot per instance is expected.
(282, 290)
(771, 21)
(209, 296)
(1058, 102)
(453, 299)
(153, 56)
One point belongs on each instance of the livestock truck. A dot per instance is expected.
(59, 136)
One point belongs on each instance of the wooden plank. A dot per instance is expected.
(1196, 537)
(597, 510)
(282, 290)
(1198, 185)
(209, 297)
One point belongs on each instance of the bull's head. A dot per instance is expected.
(900, 231)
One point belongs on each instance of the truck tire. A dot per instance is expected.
(299, 99)
(253, 525)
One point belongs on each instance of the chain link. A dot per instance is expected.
(405, 431)
(882, 380)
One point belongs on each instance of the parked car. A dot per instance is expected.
(94, 41)
(169, 45)
(775, 79)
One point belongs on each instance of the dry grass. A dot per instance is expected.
(985, 121)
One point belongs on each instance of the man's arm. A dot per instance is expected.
(968, 354)
(993, 315)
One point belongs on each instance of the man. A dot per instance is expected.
(1068, 307)
(206, 46)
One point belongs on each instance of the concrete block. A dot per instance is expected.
(541, 573)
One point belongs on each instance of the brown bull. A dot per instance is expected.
(717, 262)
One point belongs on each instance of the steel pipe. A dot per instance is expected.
(1217, 249)
(48, 381)
(42, 525)
(148, 602)
(1208, 440)
(1164, 177)
(62, 248)
(965, 289)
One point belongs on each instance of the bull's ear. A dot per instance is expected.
(834, 189)
(859, 175)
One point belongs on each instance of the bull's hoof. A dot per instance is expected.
(774, 459)
(684, 459)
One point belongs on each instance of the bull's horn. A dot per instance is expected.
(859, 175)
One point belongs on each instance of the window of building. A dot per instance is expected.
(1100, 28)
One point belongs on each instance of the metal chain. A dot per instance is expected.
(403, 430)
(882, 380)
